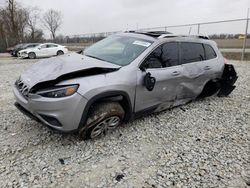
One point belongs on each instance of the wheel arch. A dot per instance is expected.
(32, 52)
(60, 50)
(115, 96)
(210, 88)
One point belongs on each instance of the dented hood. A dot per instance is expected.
(53, 68)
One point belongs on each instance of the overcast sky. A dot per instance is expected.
(87, 16)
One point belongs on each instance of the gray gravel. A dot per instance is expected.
(202, 144)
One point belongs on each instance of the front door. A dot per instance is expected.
(42, 52)
(163, 65)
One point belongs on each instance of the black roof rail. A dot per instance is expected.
(195, 36)
(151, 33)
(166, 34)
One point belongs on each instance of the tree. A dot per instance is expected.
(32, 22)
(14, 21)
(52, 21)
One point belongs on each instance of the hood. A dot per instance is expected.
(64, 67)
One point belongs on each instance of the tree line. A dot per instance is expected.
(20, 24)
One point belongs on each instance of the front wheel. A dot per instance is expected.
(103, 117)
(32, 55)
(60, 52)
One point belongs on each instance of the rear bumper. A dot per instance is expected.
(62, 114)
(229, 77)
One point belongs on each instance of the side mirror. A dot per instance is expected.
(149, 81)
(143, 66)
(80, 52)
(39, 48)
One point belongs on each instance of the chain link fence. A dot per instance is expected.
(230, 35)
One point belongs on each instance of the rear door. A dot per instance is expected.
(213, 66)
(194, 71)
(163, 65)
(52, 49)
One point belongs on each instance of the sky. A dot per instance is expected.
(90, 16)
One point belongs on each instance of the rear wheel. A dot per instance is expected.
(32, 55)
(103, 117)
(60, 52)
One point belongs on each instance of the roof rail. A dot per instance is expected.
(151, 33)
(195, 36)
(165, 34)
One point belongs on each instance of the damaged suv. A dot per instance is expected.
(120, 78)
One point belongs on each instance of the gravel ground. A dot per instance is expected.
(203, 144)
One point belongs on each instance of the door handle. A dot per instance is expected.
(175, 73)
(207, 68)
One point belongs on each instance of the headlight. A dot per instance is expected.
(57, 92)
(24, 52)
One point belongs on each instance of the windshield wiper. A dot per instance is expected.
(95, 57)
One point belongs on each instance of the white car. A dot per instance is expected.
(43, 50)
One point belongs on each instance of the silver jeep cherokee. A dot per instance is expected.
(120, 78)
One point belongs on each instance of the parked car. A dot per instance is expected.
(120, 78)
(10, 49)
(16, 49)
(19, 47)
(26, 46)
(43, 50)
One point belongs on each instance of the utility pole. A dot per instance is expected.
(198, 30)
(245, 38)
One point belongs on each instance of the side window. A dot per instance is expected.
(51, 45)
(170, 56)
(210, 53)
(192, 52)
(43, 46)
(165, 55)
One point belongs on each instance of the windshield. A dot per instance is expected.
(120, 50)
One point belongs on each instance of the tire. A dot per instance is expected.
(102, 117)
(32, 55)
(60, 52)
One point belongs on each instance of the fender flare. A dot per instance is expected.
(108, 96)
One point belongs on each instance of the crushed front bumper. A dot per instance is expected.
(23, 55)
(63, 114)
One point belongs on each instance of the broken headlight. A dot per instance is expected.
(57, 92)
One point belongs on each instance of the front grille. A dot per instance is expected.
(22, 87)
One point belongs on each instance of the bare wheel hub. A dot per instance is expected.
(106, 124)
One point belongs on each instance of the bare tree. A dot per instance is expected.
(32, 22)
(15, 20)
(52, 21)
(22, 16)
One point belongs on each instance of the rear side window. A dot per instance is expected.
(51, 45)
(210, 53)
(192, 52)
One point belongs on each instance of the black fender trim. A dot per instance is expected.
(109, 95)
(227, 80)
